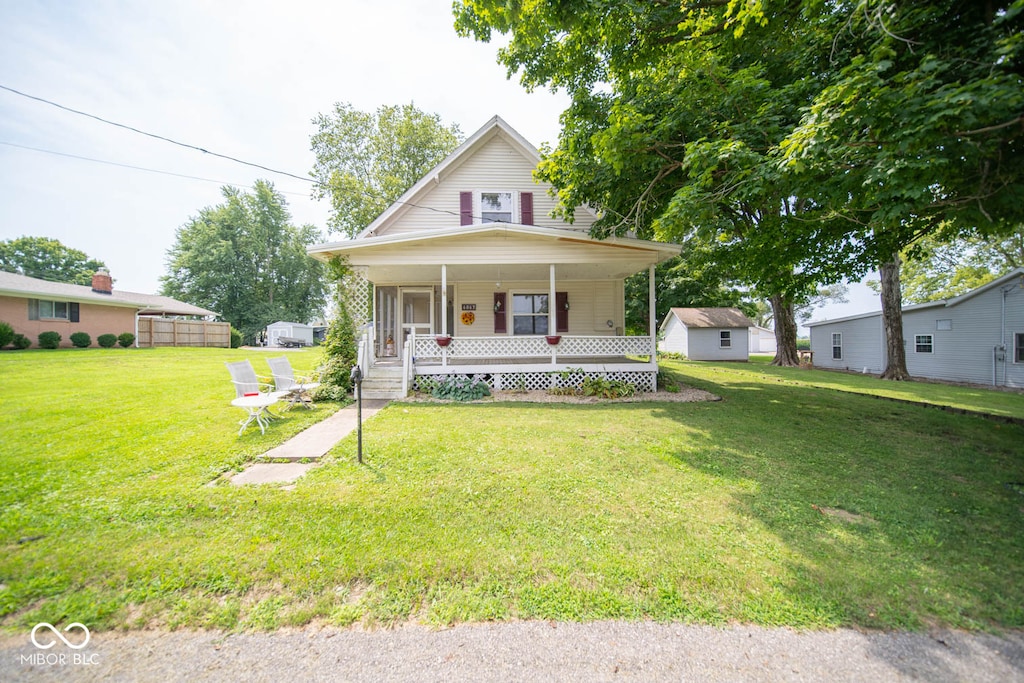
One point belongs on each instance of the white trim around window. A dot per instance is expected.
(1018, 347)
(837, 346)
(503, 206)
(725, 339)
(924, 343)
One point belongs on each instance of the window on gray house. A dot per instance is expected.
(837, 346)
(725, 339)
(923, 343)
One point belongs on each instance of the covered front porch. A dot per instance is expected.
(514, 306)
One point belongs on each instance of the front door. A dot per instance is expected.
(417, 305)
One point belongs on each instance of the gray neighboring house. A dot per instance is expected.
(977, 337)
(706, 333)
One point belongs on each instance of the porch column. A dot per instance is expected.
(444, 312)
(651, 303)
(552, 313)
(444, 300)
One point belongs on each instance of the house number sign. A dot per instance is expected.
(469, 307)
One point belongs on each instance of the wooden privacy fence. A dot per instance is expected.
(168, 332)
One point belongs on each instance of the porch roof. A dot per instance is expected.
(472, 252)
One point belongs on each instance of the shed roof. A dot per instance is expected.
(711, 317)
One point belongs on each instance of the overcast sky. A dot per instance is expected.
(243, 79)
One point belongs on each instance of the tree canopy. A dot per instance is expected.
(800, 143)
(245, 260)
(365, 161)
(47, 259)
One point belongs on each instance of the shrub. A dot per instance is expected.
(6, 334)
(339, 355)
(126, 339)
(80, 340)
(236, 338)
(461, 389)
(49, 340)
(107, 341)
(21, 342)
(603, 387)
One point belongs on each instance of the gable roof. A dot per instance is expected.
(944, 303)
(710, 317)
(13, 284)
(495, 126)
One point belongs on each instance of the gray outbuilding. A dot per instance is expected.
(706, 333)
(977, 337)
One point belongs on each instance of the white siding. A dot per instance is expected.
(585, 299)
(705, 344)
(967, 352)
(495, 166)
(862, 344)
(675, 338)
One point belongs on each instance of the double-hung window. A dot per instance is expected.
(530, 313)
(923, 343)
(725, 339)
(837, 346)
(496, 207)
(1018, 347)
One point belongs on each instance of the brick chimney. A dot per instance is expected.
(102, 282)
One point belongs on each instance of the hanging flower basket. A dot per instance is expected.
(553, 338)
(443, 340)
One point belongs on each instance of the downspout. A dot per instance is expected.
(136, 328)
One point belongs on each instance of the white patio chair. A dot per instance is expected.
(253, 396)
(296, 389)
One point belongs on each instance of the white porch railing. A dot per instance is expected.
(531, 347)
(366, 350)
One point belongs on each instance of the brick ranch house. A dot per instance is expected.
(32, 306)
(468, 274)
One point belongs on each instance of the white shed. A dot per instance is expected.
(706, 333)
(762, 340)
(977, 337)
(283, 333)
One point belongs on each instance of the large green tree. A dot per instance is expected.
(672, 129)
(245, 260)
(803, 142)
(47, 259)
(935, 269)
(365, 161)
(917, 131)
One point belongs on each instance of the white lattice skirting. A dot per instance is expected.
(542, 381)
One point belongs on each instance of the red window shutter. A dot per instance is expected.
(500, 314)
(561, 311)
(526, 208)
(465, 208)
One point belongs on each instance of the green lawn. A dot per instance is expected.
(784, 503)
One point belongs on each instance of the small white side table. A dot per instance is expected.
(256, 407)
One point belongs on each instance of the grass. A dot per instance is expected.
(786, 503)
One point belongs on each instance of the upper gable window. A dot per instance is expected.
(501, 206)
(496, 207)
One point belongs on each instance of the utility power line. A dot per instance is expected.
(139, 168)
(157, 137)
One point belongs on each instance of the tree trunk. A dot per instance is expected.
(785, 331)
(892, 321)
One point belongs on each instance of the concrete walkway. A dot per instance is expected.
(289, 461)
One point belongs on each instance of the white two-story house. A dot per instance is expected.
(470, 275)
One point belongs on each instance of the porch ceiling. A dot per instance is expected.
(496, 271)
(477, 253)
